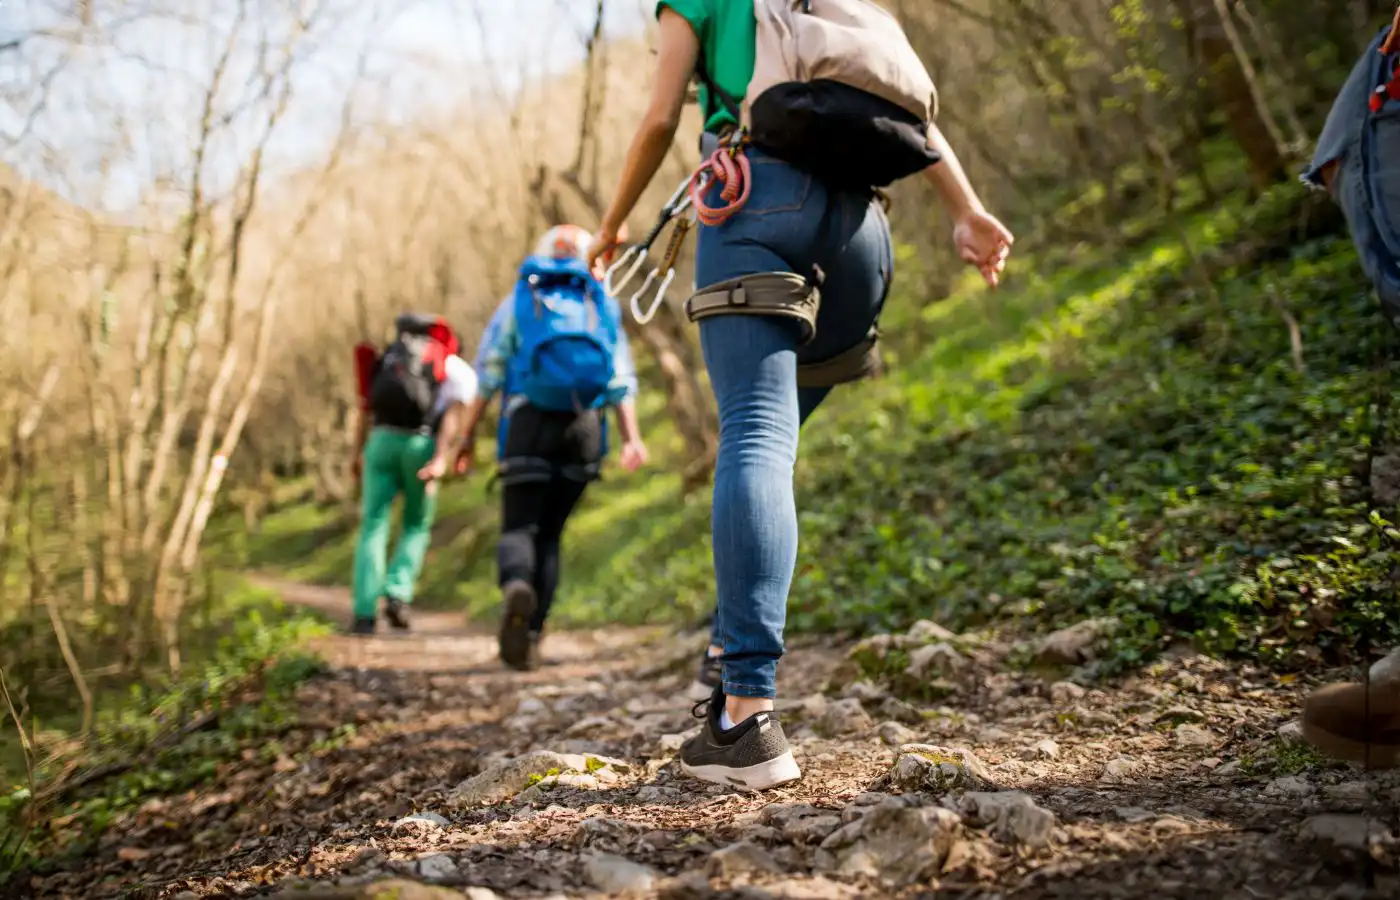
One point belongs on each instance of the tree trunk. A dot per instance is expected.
(1252, 127)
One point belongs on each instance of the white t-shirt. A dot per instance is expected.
(459, 385)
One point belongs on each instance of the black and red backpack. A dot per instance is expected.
(405, 380)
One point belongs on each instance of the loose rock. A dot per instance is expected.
(926, 631)
(1063, 693)
(895, 734)
(896, 843)
(1177, 715)
(1385, 479)
(578, 781)
(924, 767)
(1289, 786)
(1076, 644)
(1348, 834)
(1011, 816)
(1119, 770)
(811, 830)
(429, 821)
(437, 867)
(743, 858)
(934, 660)
(600, 832)
(843, 717)
(616, 875)
(505, 780)
(1193, 736)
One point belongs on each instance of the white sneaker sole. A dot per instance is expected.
(777, 771)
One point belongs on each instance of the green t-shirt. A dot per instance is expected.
(726, 29)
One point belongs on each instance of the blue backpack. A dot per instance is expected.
(568, 334)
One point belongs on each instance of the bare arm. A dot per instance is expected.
(980, 239)
(450, 432)
(627, 421)
(362, 425)
(948, 177)
(678, 50)
(471, 417)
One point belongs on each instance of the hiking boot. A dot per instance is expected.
(396, 613)
(752, 756)
(1342, 722)
(708, 678)
(363, 625)
(518, 602)
(532, 652)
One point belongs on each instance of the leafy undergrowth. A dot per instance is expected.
(163, 736)
(1113, 438)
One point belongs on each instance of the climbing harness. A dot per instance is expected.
(730, 167)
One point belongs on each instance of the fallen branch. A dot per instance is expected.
(1295, 333)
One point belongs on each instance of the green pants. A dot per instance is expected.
(392, 461)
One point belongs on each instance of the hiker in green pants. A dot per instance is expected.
(415, 396)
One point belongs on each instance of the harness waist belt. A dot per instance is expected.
(515, 470)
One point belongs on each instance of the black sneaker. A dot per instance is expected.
(752, 756)
(518, 600)
(396, 613)
(710, 677)
(363, 625)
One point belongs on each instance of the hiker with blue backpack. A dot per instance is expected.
(809, 108)
(557, 354)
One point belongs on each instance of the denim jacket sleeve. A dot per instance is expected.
(497, 347)
(1348, 114)
(624, 383)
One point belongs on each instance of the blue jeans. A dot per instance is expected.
(752, 362)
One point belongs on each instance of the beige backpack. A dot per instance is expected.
(838, 90)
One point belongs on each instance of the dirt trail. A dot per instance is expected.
(1181, 782)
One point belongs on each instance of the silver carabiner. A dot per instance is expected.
(678, 203)
(636, 250)
(637, 313)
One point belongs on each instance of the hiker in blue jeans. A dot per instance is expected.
(769, 371)
(1355, 161)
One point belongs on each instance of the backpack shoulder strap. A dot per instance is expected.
(714, 92)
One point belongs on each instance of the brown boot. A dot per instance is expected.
(1342, 722)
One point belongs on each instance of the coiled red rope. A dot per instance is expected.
(730, 167)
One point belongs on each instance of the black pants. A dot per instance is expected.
(550, 458)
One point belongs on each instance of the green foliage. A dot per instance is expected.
(237, 698)
(1104, 439)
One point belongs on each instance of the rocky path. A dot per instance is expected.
(461, 780)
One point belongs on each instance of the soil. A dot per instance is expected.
(1183, 781)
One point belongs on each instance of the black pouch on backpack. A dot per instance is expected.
(404, 389)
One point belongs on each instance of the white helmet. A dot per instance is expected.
(564, 242)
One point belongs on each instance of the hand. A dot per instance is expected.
(983, 242)
(604, 248)
(466, 459)
(634, 455)
(435, 469)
